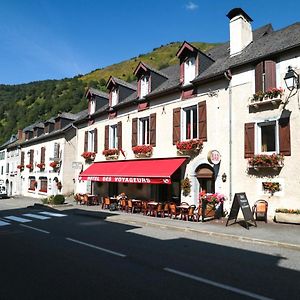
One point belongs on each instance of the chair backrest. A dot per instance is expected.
(160, 207)
(129, 203)
(107, 201)
(191, 210)
(85, 198)
(261, 206)
(199, 210)
(172, 207)
(166, 206)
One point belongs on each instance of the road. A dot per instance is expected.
(71, 256)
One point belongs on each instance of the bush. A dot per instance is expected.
(58, 199)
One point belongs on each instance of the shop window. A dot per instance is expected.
(189, 70)
(113, 137)
(267, 138)
(43, 184)
(190, 123)
(144, 131)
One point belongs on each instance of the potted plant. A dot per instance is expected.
(266, 161)
(271, 93)
(20, 167)
(142, 150)
(54, 164)
(193, 145)
(186, 186)
(284, 215)
(41, 166)
(30, 167)
(211, 203)
(111, 153)
(271, 187)
(88, 156)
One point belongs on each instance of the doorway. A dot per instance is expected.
(206, 178)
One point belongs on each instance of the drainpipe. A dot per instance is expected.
(228, 76)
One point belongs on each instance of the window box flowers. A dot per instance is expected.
(20, 167)
(188, 146)
(142, 151)
(54, 164)
(41, 166)
(271, 187)
(266, 161)
(273, 96)
(30, 167)
(88, 156)
(111, 153)
(284, 215)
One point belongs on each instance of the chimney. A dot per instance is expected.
(20, 134)
(240, 30)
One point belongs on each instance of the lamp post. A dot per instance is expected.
(291, 79)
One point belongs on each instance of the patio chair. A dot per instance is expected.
(190, 213)
(260, 209)
(173, 210)
(129, 207)
(160, 210)
(145, 207)
(197, 214)
(166, 209)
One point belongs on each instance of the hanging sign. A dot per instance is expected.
(214, 157)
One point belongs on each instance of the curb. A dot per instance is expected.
(209, 233)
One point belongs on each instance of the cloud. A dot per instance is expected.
(191, 6)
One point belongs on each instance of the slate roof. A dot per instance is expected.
(97, 92)
(154, 70)
(131, 85)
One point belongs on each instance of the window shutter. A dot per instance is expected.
(270, 71)
(176, 125)
(119, 133)
(202, 121)
(134, 132)
(182, 71)
(258, 77)
(86, 138)
(249, 140)
(106, 137)
(284, 137)
(31, 157)
(22, 158)
(139, 88)
(153, 130)
(95, 140)
(43, 150)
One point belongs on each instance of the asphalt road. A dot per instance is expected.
(72, 256)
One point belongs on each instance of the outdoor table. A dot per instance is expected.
(184, 209)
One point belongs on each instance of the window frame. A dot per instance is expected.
(189, 74)
(114, 96)
(91, 140)
(258, 136)
(113, 136)
(144, 86)
(184, 110)
(92, 106)
(144, 131)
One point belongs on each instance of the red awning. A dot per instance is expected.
(153, 171)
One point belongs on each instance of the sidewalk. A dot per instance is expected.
(271, 233)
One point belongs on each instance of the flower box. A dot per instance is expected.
(287, 216)
(111, 154)
(20, 167)
(41, 166)
(271, 187)
(88, 156)
(142, 151)
(272, 96)
(30, 167)
(185, 147)
(258, 161)
(54, 164)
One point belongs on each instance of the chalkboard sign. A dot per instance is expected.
(240, 201)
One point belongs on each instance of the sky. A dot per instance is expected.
(54, 39)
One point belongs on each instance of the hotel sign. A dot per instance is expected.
(121, 179)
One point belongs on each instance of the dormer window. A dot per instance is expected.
(189, 70)
(92, 106)
(144, 86)
(114, 96)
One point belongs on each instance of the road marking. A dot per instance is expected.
(36, 216)
(52, 214)
(217, 284)
(37, 229)
(2, 223)
(17, 219)
(96, 247)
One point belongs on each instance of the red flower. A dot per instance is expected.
(29, 166)
(41, 166)
(53, 164)
(189, 145)
(142, 149)
(88, 155)
(112, 151)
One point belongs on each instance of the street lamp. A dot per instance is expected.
(291, 79)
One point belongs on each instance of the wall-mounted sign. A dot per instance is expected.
(76, 165)
(214, 157)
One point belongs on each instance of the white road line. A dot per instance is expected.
(2, 223)
(17, 219)
(36, 216)
(219, 285)
(96, 247)
(37, 229)
(52, 214)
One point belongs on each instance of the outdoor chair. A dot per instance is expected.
(197, 214)
(166, 209)
(173, 210)
(190, 213)
(129, 207)
(159, 210)
(260, 209)
(145, 207)
(123, 204)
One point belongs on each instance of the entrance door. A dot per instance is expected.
(206, 178)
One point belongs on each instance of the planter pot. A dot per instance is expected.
(143, 155)
(112, 157)
(287, 218)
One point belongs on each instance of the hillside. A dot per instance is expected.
(25, 104)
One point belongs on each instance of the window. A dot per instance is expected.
(114, 96)
(113, 137)
(265, 76)
(2, 155)
(91, 140)
(144, 132)
(267, 138)
(189, 130)
(32, 183)
(144, 86)
(56, 153)
(43, 184)
(189, 70)
(92, 106)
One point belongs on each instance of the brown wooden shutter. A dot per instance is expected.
(31, 157)
(86, 138)
(95, 140)
(106, 137)
(22, 158)
(284, 136)
(153, 130)
(119, 133)
(259, 69)
(249, 139)
(43, 150)
(202, 119)
(182, 71)
(270, 74)
(134, 132)
(176, 125)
